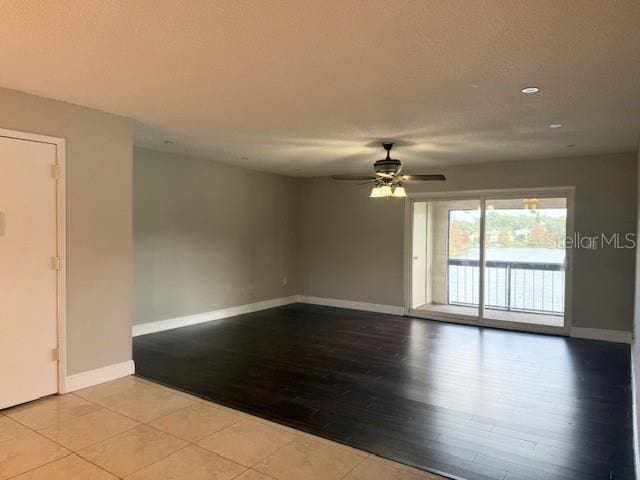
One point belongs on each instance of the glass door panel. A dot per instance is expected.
(445, 264)
(524, 270)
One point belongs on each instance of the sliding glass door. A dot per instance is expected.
(525, 260)
(497, 259)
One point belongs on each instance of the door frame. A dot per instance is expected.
(567, 192)
(59, 175)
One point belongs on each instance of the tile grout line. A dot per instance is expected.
(216, 431)
(97, 466)
(42, 465)
(139, 423)
(71, 451)
(295, 437)
(91, 444)
(355, 466)
(194, 444)
(147, 424)
(77, 452)
(51, 397)
(157, 461)
(241, 473)
(103, 440)
(403, 467)
(255, 471)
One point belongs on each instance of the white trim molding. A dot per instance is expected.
(99, 375)
(618, 336)
(177, 322)
(493, 192)
(369, 307)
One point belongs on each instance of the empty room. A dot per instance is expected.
(319, 240)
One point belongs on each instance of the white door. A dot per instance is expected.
(28, 278)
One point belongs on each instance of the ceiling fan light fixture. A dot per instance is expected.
(385, 191)
(399, 192)
(387, 181)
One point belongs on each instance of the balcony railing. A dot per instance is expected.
(513, 286)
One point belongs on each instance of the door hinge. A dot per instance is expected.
(55, 171)
(55, 354)
(55, 263)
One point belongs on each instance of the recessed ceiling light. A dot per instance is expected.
(169, 142)
(244, 158)
(556, 125)
(571, 145)
(530, 90)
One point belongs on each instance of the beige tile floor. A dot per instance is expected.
(135, 429)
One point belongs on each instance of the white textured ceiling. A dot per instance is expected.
(308, 87)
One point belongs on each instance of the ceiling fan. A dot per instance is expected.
(387, 180)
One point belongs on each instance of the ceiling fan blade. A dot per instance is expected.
(353, 177)
(409, 178)
(366, 183)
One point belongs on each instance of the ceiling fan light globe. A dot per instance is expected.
(399, 192)
(375, 192)
(385, 191)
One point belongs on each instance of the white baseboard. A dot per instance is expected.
(618, 336)
(99, 375)
(171, 323)
(369, 307)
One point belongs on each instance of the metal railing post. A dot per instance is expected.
(508, 287)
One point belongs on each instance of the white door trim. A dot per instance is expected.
(494, 193)
(567, 192)
(59, 143)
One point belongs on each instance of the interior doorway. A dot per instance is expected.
(31, 267)
(496, 258)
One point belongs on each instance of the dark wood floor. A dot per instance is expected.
(466, 401)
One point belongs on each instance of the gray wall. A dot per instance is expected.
(351, 247)
(209, 236)
(99, 225)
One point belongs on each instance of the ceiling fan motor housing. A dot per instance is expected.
(390, 166)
